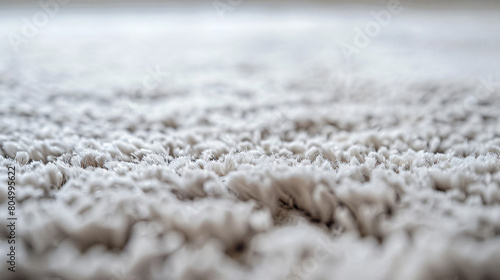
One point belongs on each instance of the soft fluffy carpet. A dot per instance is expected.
(174, 145)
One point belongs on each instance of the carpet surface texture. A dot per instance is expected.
(178, 145)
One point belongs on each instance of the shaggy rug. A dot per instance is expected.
(250, 144)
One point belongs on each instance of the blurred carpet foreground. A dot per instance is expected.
(179, 145)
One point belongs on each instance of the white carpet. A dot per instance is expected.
(255, 151)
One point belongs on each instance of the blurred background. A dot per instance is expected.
(117, 40)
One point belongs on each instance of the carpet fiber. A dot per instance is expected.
(180, 146)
